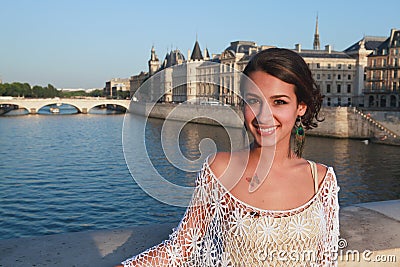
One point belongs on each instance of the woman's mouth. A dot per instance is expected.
(265, 131)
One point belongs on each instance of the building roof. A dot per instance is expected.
(173, 58)
(322, 54)
(392, 41)
(370, 43)
(196, 54)
(206, 54)
(241, 46)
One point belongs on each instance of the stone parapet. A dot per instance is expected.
(370, 236)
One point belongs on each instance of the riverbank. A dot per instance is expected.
(370, 230)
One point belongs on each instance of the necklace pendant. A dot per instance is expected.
(254, 183)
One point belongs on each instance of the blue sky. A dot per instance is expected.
(81, 44)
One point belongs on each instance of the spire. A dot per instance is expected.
(196, 54)
(153, 54)
(316, 36)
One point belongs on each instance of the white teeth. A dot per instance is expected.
(265, 130)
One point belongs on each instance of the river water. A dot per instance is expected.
(67, 173)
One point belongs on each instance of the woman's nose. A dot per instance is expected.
(264, 115)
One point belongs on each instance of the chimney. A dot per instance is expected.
(298, 47)
(188, 56)
(328, 48)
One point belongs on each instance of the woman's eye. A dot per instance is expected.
(280, 102)
(251, 101)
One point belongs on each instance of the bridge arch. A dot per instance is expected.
(57, 102)
(97, 105)
(11, 102)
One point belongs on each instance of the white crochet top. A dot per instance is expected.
(220, 230)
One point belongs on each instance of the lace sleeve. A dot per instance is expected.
(331, 206)
(186, 238)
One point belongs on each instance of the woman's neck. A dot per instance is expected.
(275, 155)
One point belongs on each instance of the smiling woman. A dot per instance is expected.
(251, 205)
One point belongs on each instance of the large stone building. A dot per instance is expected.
(382, 74)
(340, 75)
(117, 88)
(360, 50)
(334, 72)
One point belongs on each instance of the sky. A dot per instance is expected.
(84, 43)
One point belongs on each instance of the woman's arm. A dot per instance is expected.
(182, 242)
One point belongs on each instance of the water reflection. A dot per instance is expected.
(365, 172)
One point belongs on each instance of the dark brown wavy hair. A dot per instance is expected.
(288, 66)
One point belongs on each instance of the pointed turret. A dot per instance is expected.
(316, 36)
(196, 54)
(206, 54)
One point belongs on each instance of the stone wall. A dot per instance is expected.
(340, 122)
(344, 122)
(206, 114)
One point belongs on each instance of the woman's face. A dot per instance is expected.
(270, 109)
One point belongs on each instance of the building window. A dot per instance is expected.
(329, 65)
(392, 101)
(349, 66)
(383, 101)
(371, 101)
(318, 66)
(384, 62)
(339, 66)
(349, 101)
(339, 101)
(395, 74)
(339, 88)
(374, 63)
(349, 77)
(329, 76)
(318, 76)
(394, 86)
(339, 76)
(328, 102)
(328, 88)
(349, 88)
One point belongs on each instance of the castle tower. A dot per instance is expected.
(316, 37)
(154, 63)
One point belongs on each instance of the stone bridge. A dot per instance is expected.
(83, 105)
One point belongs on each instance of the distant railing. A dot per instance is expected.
(384, 133)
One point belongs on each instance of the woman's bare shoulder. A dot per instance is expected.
(226, 163)
(219, 162)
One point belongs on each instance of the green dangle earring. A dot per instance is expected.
(300, 137)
